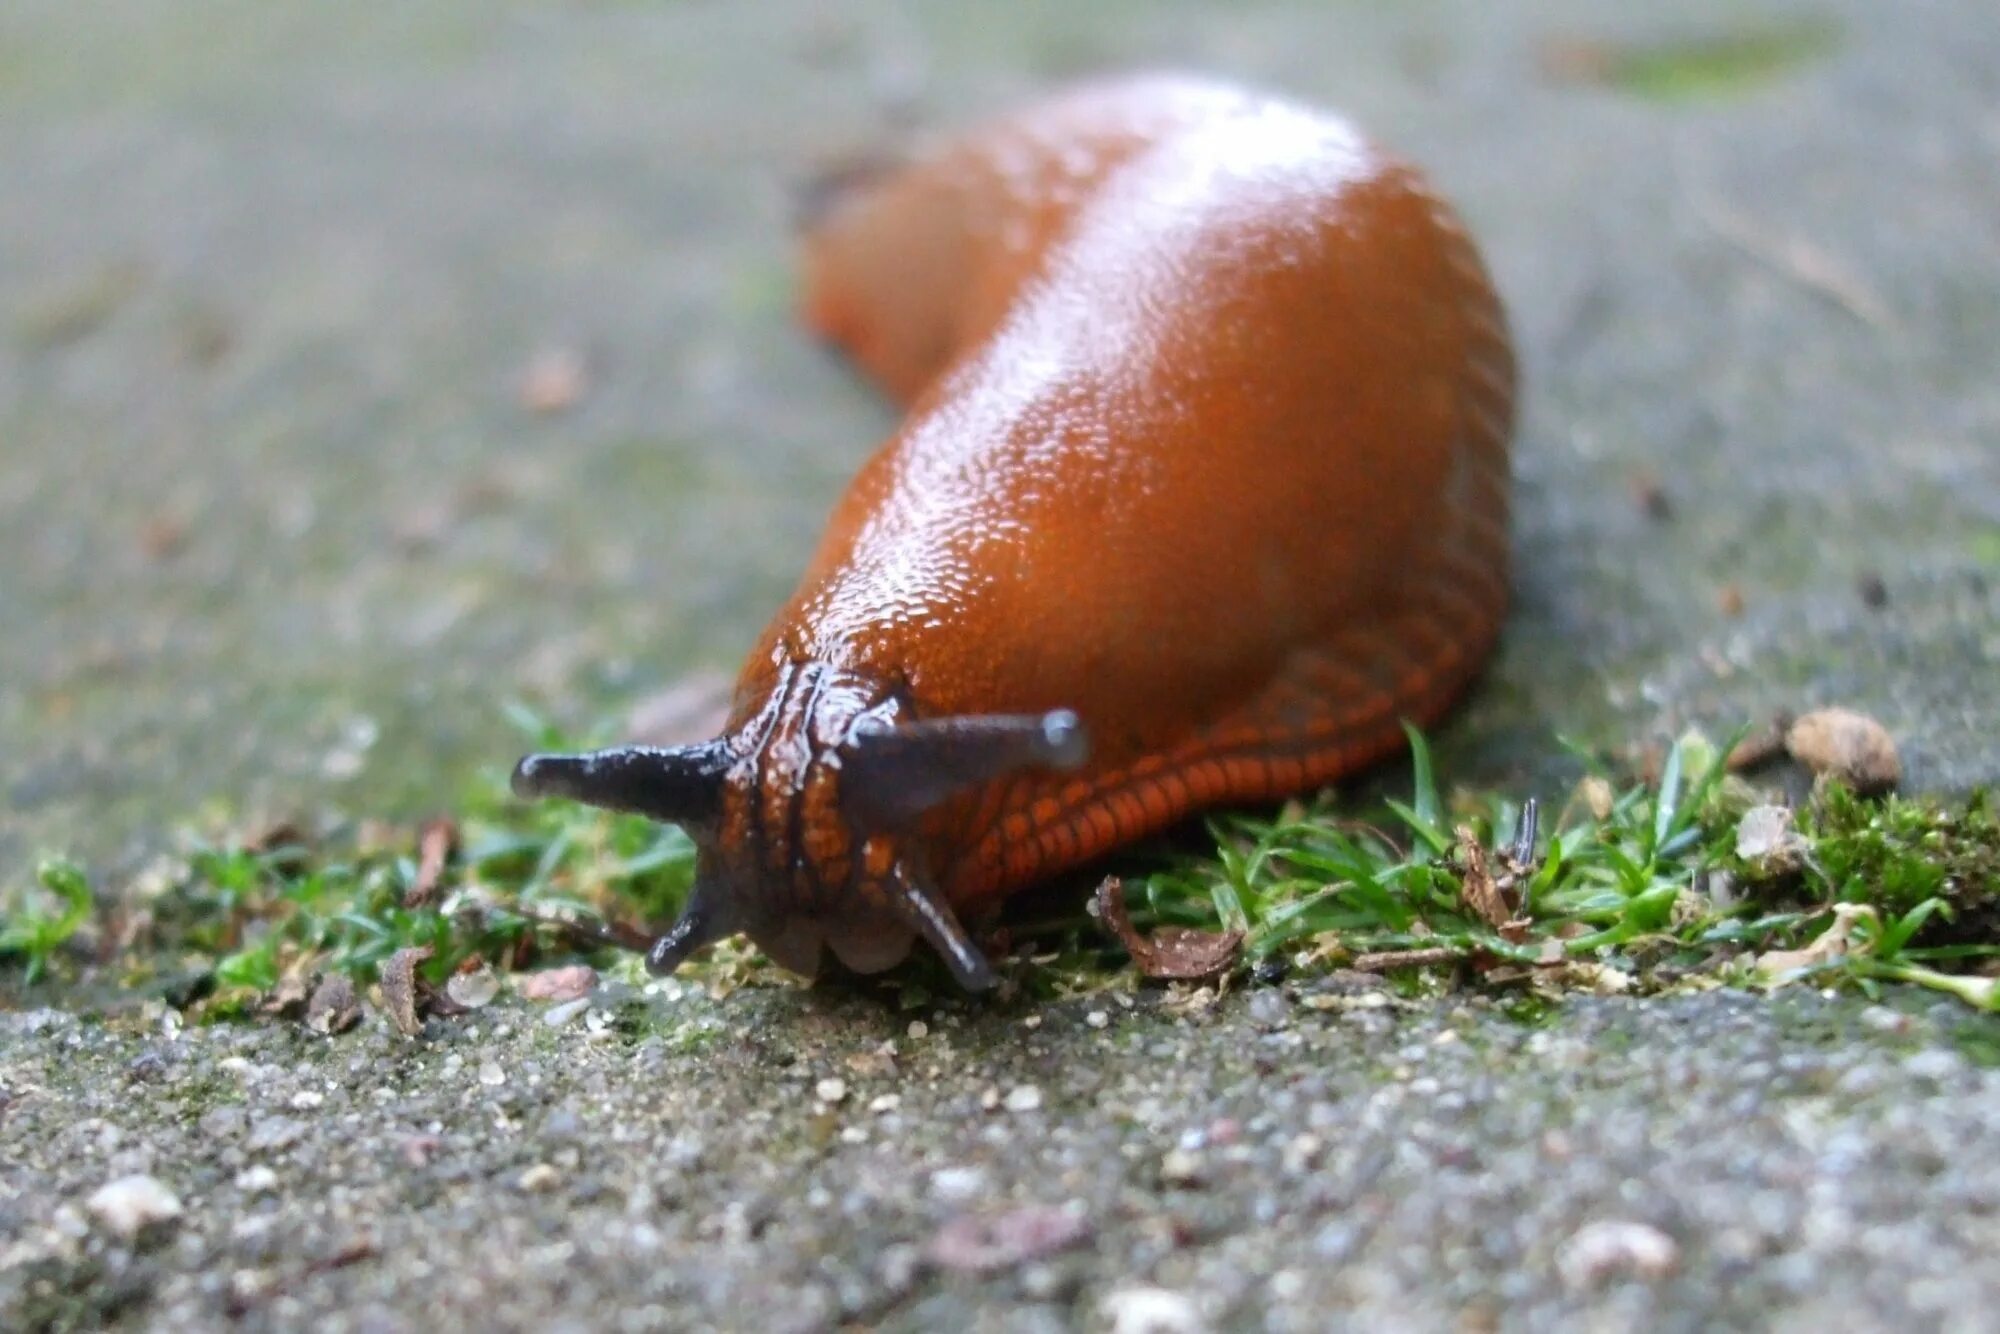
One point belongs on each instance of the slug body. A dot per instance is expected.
(1202, 489)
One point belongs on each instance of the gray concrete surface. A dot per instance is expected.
(275, 528)
(1793, 1164)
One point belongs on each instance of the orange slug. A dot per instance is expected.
(1201, 490)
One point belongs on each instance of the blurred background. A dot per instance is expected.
(366, 367)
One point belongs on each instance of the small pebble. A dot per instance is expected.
(558, 1015)
(898, 1266)
(1849, 746)
(1151, 1311)
(558, 984)
(987, 1244)
(1180, 1168)
(1863, 1080)
(831, 1091)
(1936, 1065)
(1602, 1250)
(256, 1180)
(540, 1177)
(473, 990)
(1097, 1019)
(1269, 1009)
(491, 1075)
(885, 1102)
(1302, 1151)
(275, 1132)
(222, 1122)
(1885, 1020)
(958, 1185)
(553, 380)
(1023, 1098)
(918, 1029)
(131, 1204)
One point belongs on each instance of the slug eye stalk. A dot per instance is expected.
(891, 775)
(678, 786)
(919, 904)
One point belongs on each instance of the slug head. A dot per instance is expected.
(805, 818)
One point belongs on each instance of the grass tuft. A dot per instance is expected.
(40, 920)
(1638, 888)
(1632, 887)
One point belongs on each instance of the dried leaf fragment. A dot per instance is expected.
(334, 1008)
(399, 988)
(1476, 886)
(559, 984)
(1846, 745)
(1383, 961)
(988, 1244)
(1597, 796)
(1759, 747)
(1171, 953)
(291, 997)
(1596, 978)
(434, 848)
(1777, 967)
(244, 1297)
(1766, 841)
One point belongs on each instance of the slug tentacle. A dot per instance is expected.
(891, 775)
(699, 924)
(683, 785)
(914, 899)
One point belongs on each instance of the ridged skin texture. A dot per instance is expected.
(1208, 409)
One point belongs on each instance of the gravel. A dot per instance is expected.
(1713, 1161)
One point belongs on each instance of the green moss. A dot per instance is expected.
(1530, 1009)
(38, 920)
(1720, 66)
(691, 1039)
(1899, 854)
(1977, 1040)
(1985, 547)
(196, 1096)
(82, 1293)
